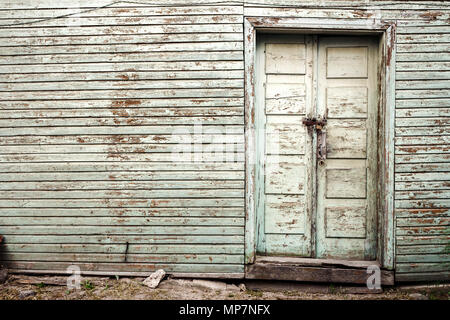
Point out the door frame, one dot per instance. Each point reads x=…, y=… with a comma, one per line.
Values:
x=386, y=30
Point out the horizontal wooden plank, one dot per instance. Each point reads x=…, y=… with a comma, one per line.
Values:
x=419, y=94
x=423, y=231
x=421, y=56
x=422, y=66
x=422, y=75
x=121, y=57
x=124, y=203
x=430, y=221
x=422, y=131
x=121, y=76
x=138, y=176
x=121, y=39
x=422, y=122
x=422, y=158
x=30, y=4
x=125, y=139
x=131, y=258
x=121, y=230
x=207, y=146
x=422, y=203
x=120, y=185
x=48, y=9
x=122, y=119
x=121, y=130
x=422, y=213
x=422, y=103
x=121, y=212
x=422, y=84
x=420, y=167
x=123, y=67
x=105, y=240
x=421, y=140
x=422, y=194
x=115, y=268
x=422, y=249
x=207, y=156
x=8, y=49
x=339, y=12
x=121, y=221
x=422, y=267
x=121, y=85
x=287, y=272
x=119, y=21
x=423, y=112
x=114, y=167
x=422, y=185
x=423, y=47
x=421, y=258
x=422, y=240
x=123, y=112
x=231, y=249
x=417, y=149
x=425, y=29
x=424, y=38
x=124, y=103
x=123, y=94
x=119, y=194
x=69, y=31
x=423, y=176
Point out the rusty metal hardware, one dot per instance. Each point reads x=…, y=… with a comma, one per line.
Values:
x=318, y=124
x=321, y=146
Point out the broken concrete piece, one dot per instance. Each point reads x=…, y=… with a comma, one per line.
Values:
x=26, y=293
x=155, y=278
x=242, y=287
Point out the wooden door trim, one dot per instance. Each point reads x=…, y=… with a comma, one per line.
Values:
x=386, y=105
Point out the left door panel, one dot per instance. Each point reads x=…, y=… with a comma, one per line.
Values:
x=284, y=145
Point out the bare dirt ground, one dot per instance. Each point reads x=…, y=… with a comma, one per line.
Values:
x=102, y=288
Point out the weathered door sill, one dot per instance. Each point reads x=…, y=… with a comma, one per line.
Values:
x=314, y=270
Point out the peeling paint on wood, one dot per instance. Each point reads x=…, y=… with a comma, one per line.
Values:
x=89, y=98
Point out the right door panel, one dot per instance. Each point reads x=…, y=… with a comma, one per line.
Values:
x=347, y=177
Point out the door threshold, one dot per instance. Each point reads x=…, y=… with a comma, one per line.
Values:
x=314, y=270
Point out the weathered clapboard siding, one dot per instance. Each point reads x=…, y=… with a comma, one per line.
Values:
x=422, y=147
x=89, y=103
x=422, y=142
x=93, y=106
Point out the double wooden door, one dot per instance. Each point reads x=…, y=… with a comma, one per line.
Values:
x=316, y=120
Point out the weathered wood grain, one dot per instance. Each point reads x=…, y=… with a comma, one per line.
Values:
x=172, y=241
x=161, y=66
x=84, y=21
x=121, y=57
x=126, y=267
x=123, y=103
x=124, y=203
x=132, y=248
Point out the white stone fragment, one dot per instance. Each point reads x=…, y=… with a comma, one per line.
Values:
x=155, y=278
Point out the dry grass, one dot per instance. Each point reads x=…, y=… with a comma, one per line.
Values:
x=95, y=288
